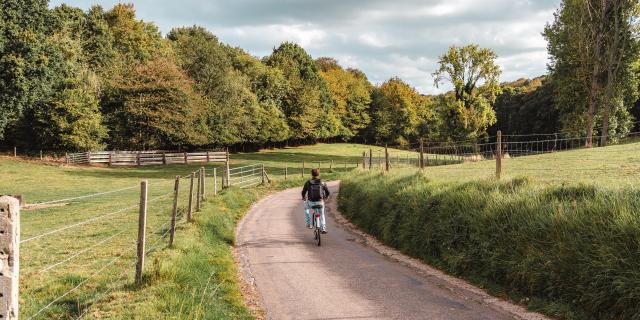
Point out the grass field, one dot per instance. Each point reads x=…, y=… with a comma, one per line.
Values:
x=559, y=232
x=90, y=243
x=196, y=279
x=61, y=250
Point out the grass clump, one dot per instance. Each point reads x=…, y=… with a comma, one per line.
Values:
x=571, y=249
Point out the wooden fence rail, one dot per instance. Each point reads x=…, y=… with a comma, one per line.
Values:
x=145, y=158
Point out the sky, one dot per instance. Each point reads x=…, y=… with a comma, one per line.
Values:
x=383, y=38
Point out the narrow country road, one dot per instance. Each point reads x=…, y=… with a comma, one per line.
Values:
x=342, y=279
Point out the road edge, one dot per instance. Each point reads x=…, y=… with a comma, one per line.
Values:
x=250, y=295
x=456, y=285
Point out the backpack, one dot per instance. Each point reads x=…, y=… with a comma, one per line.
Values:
x=316, y=193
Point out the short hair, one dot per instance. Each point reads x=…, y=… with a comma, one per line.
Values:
x=315, y=172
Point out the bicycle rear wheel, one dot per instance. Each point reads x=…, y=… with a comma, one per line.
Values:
x=318, y=233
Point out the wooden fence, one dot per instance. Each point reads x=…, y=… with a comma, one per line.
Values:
x=145, y=158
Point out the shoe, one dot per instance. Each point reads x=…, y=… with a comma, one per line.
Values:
x=324, y=231
x=309, y=226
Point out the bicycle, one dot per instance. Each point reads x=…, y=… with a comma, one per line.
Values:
x=316, y=222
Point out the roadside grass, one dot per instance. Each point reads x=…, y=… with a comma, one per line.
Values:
x=194, y=280
x=559, y=232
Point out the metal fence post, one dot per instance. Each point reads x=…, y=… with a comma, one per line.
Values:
x=142, y=225
x=285, y=171
x=10, y=259
x=421, y=154
x=262, y=172
x=15, y=152
x=174, y=213
x=499, y=155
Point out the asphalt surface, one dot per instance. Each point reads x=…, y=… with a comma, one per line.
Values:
x=342, y=279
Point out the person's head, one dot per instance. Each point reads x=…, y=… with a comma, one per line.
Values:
x=315, y=172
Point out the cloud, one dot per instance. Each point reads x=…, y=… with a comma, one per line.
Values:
x=382, y=38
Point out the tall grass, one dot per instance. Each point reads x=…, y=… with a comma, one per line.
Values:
x=572, y=249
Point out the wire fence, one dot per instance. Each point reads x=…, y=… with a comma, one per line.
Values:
x=535, y=150
x=99, y=247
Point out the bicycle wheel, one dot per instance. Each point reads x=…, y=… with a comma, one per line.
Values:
x=318, y=231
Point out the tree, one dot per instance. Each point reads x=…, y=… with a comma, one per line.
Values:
x=526, y=106
x=245, y=95
x=592, y=45
x=351, y=96
x=399, y=112
x=25, y=74
x=154, y=105
x=474, y=75
x=307, y=103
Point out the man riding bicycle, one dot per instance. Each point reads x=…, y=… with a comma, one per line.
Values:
x=314, y=193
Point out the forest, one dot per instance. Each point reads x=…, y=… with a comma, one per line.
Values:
x=74, y=80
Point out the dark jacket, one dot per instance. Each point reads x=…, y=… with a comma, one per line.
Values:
x=308, y=184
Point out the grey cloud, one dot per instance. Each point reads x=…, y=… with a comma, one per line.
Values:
x=383, y=38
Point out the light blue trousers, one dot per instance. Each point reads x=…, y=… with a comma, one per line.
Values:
x=308, y=210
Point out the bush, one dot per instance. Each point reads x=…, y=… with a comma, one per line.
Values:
x=570, y=245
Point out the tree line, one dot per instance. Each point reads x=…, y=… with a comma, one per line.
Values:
x=95, y=79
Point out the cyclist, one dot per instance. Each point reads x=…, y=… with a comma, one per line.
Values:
x=314, y=193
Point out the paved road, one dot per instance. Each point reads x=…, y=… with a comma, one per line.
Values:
x=342, y=279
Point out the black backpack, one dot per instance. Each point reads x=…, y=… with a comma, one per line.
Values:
x=316, y=193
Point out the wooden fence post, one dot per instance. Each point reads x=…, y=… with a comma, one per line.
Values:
x=66, y=157
x=386, y=158
x=208, y=159
x=137, y=158
x=421, y=154
x=10, y=259
x=174, y=213
x=185, y=158
x=285, y=171
x=41, y=155
x=215, y=181
x=15, y=152
x=164, y=158
x=110, y=159
x=142, y=226
x=262, y=172
x=364, y=159
x=199, y=191
x=204, y=183
x=499, y=155
x=302, y=172
x=190, y=208
x=227, y=171
x=370, y=158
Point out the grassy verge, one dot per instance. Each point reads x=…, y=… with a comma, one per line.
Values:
x=570, y=250
x=196, y=279
x=87, y=270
